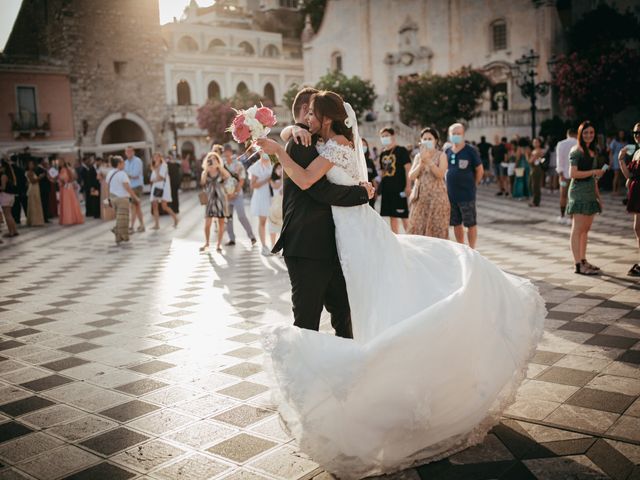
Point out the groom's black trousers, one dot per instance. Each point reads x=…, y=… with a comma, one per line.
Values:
x=316, y=283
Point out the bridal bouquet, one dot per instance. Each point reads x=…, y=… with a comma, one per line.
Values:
x=251, y=124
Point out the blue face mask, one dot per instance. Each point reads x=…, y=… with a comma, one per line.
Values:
x=385, y=141
x=428, y=144
x=455, y=139
x=365, y=149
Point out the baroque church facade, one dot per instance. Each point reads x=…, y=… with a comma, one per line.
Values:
x=386, y=40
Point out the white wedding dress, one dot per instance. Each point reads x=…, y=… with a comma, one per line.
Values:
x=442, y=338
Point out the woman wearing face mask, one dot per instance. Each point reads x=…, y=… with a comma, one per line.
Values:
x=260, y=174
x=429, y=211
x=372, y=171
x=584, y=195
x=395, y=188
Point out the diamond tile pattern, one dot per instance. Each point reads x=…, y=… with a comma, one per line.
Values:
x=145, y=361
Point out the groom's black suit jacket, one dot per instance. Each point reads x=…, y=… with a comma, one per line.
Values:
x=308, y=230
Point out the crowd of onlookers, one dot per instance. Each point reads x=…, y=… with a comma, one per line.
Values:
x=53, y=189
x=437, y=188
x=426, y=188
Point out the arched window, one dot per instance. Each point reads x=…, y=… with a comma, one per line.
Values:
x=242, y=88
x=216, y=44
x=247, y=47
x=184, y=93
x=336, y=61
x=213, y=90
x=271, y=51
x=498, y=35
x=187, y=44
x=270, y=93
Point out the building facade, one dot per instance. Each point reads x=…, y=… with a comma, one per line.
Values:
x=35, y=110
x=113, y=54
x=233, y=46
x=438, y=36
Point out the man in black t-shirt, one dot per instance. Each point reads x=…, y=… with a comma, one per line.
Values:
x=395, y=188
x=484, y=148
x=499, y=154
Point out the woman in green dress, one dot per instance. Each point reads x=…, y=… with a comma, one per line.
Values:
x=584, y=196
x=521, y=184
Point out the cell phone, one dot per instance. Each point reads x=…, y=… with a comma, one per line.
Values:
x=403, y=195
x=605, y=167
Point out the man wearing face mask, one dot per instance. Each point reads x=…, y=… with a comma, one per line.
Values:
x=395, y=187
x=464, y=172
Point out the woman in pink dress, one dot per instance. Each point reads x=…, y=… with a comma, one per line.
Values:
x=70, y=213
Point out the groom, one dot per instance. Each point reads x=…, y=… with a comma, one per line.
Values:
x=308, y=237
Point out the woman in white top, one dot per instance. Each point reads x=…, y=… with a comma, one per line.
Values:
x=160, y=190
x=120, y=193
x=260, y=174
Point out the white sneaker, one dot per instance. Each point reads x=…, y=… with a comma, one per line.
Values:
x=265, y=251
x=560, y=219
x=567, y=220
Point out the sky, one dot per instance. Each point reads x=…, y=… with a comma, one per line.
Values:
x=168, y=10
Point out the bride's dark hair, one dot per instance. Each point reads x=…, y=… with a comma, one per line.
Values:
x=326, y=104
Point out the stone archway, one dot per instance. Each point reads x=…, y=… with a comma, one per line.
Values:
x=120, y=129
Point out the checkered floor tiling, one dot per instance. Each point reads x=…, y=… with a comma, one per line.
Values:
x=144, y=361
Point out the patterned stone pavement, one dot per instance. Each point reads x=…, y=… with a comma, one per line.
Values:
x=143, y=361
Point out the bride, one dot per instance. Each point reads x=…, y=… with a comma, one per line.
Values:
x=441, y=336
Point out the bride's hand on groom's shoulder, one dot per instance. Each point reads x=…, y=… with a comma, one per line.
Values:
x=301, y=136
x=268, y=146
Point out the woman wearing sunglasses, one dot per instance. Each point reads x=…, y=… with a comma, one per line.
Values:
x=629, y=159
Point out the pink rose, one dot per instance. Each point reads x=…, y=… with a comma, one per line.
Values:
x=240, y=131
x=266, y=117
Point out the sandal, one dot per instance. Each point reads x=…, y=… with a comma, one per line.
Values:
x=634, y=271
x=204, y=248
x=592, y=267
x=582, y=269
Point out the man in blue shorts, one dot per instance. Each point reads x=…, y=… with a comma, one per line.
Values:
x=464, y=172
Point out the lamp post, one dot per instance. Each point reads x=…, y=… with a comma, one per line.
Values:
x=525, y=71
x=174, y=127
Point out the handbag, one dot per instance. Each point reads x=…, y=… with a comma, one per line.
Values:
x=204, y=198
x=519, y=172
x=157, y=191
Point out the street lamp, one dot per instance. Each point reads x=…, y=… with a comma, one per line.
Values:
x=174, y=127
x=524, y=72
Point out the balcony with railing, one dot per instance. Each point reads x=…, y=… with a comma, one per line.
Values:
x=27, y=124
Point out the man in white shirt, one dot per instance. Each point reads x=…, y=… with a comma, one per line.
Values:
x=562, y=167
x=120, y=193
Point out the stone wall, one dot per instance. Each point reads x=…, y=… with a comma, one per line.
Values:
x=89, y=37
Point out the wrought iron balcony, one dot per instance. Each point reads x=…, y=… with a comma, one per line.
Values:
x=26, y=124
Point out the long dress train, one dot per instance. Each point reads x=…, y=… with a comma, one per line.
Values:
x=442, y=338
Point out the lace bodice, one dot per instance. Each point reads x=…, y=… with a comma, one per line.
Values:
x=343, y=157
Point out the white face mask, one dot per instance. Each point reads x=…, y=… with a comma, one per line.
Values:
x=385, y=141
x=365, y=148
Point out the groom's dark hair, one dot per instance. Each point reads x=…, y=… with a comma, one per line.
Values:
x=302, y=97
